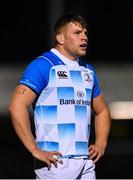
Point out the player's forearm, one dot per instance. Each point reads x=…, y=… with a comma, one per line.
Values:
x=102, y=127
x=21, y=123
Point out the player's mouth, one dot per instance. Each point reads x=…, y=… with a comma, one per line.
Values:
x=83, y=46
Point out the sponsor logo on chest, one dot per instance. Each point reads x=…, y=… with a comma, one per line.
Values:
x=62, y=74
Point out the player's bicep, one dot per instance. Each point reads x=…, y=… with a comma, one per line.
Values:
x=23, y=95
x=99, y=104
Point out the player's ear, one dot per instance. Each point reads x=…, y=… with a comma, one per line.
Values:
x=60, y=38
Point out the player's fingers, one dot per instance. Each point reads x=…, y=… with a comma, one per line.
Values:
x=48, y=164
x=93, y=155
x=56, y=153
x=91, y=152
x=54, y=162
x=97, y=158
x=58, y=159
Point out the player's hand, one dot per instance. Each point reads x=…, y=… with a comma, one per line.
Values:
x=95, y=152
x=48, y=157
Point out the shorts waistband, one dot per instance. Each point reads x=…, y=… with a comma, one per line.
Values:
x=74, y=157
x=40, y=164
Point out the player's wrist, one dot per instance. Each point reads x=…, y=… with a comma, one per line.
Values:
x=34, y=151
x=102, y=143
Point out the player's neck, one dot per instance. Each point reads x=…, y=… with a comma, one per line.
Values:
x=65, y=53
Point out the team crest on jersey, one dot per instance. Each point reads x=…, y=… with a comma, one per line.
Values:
x=87, y=77
x=62, y=74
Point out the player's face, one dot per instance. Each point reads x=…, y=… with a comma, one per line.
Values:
x=75, y=40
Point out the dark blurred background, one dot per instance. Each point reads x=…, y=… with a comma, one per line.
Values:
x=27, y=31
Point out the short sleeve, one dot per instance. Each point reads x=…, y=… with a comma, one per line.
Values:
x=36, y=75
x=96, y=91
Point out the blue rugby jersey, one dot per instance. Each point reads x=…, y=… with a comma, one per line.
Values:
x=62, y=112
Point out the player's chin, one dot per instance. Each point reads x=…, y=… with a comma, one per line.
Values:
x=83, y=53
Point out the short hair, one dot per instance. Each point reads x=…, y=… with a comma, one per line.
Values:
x=67, y=18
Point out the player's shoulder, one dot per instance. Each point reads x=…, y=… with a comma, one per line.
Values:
x=40, y=62
x=89, y=66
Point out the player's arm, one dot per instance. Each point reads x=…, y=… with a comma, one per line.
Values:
x=102, y=127
x=22, y=99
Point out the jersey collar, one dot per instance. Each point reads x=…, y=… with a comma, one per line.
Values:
x=63, y=58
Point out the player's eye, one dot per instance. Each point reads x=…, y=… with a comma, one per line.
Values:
x=77, y=32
